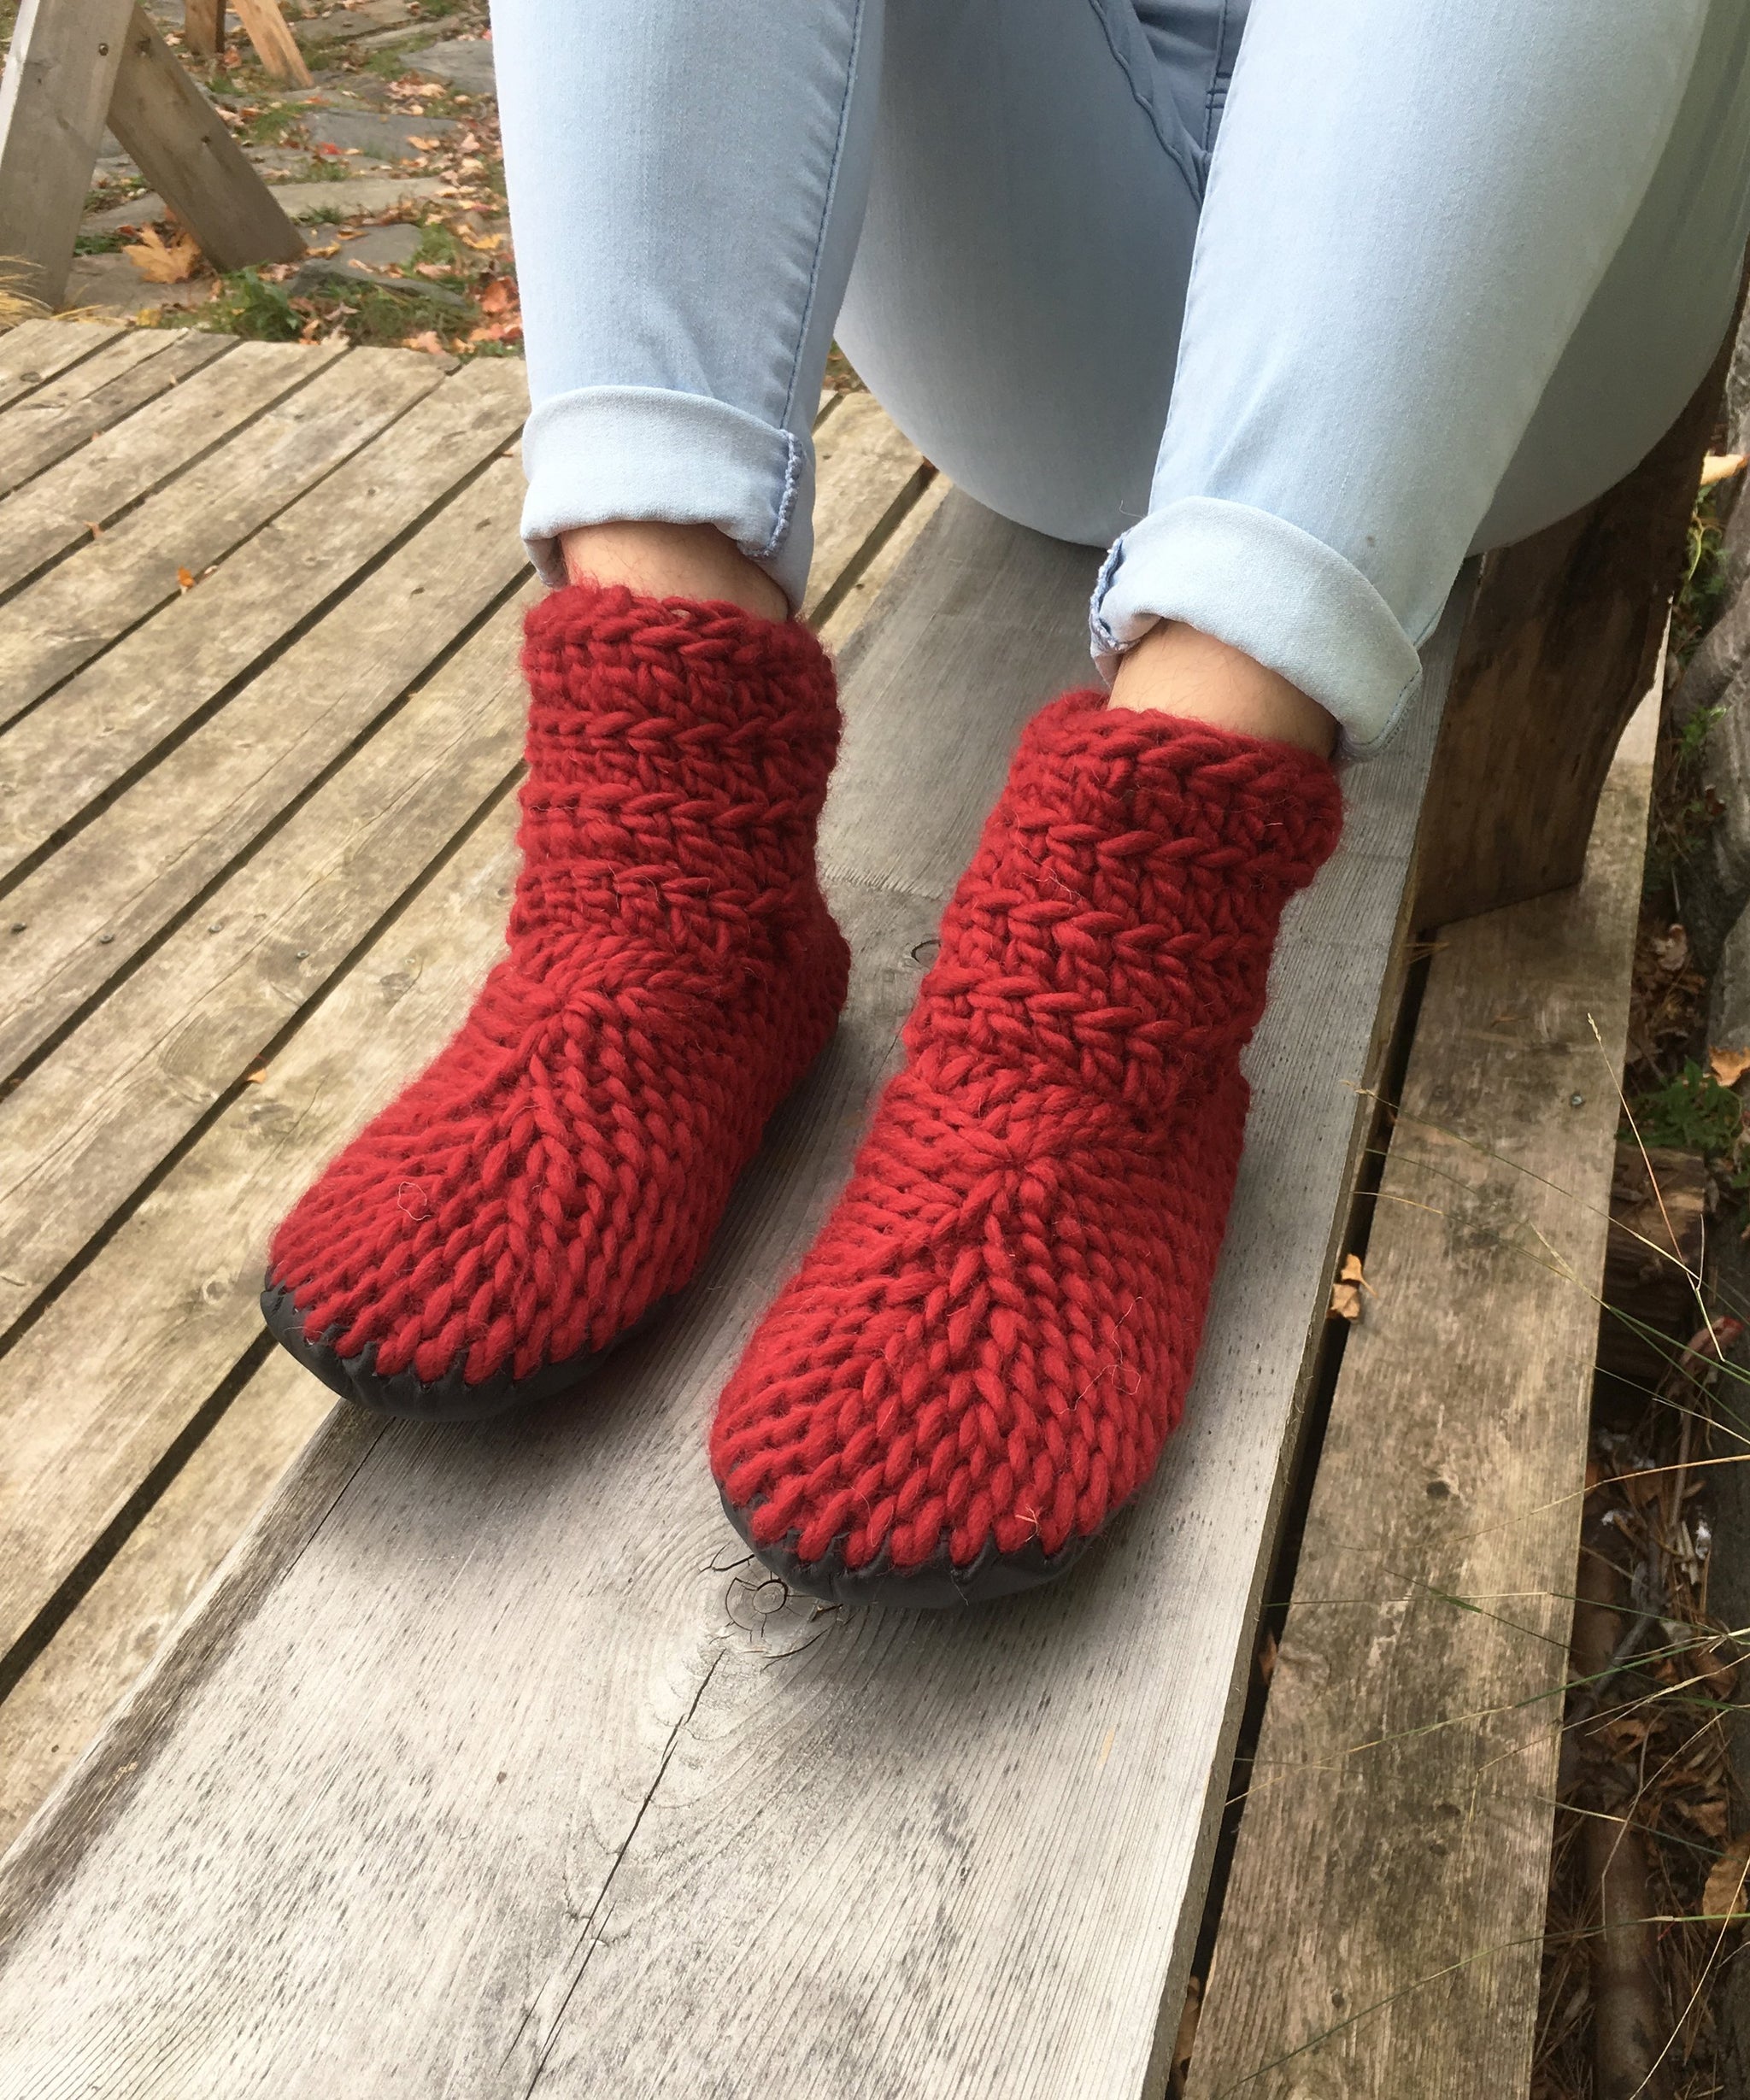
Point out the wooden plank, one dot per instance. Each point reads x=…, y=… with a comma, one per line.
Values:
x=182, y=148
x=856, y=601
x=381, y=441
x=1392, y=1869
x=60, y=75
x=82, y=1131
x=868, y=476
x=57, y=419
x=36, y=352
x=203, y=27
x=133, y=1607
x=54, y=514
x=275, y=45
x=548, y=1669
x=137, y=565
x=173, y=1291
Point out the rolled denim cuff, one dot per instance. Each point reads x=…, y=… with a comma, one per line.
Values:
x=602, y=454
x=1262, y=585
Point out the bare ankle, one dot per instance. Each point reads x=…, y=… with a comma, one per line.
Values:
x=1183, y=671
x=671, y=561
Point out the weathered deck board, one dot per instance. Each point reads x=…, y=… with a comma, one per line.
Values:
x=117, y=712
x=868, y=475
x=56, y=512
x=579, y=1821
x=37, y=351
x=61, y=1700
x=137, y=566
x=84, y=1129
x=96, y=394
x=1379, y=1935
x=165, y=840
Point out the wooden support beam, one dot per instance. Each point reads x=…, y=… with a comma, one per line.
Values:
x=1560, y=646
x=185, y=151
x=203, y=27
x=1379, y=1934
x=275, y=45
x=54, y=95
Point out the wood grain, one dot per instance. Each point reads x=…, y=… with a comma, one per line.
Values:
x=1379, y=1933
x=37, y=351
x=56, y=512
x=868, y=475
x=57, y=419
x=140, y=563
x=83, y=1130
x=133, y=1609
x=60, y=70
x=275, y=45
x=594, y=1816
x=181, y=146
x=382, y=445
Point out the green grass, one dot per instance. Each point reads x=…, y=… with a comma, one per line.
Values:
x=1693, y=1112
x=391, y=64
x=247, y=305
x=100, y=243
x=272, y=125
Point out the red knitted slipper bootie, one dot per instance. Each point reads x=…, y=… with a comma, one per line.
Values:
x=672, y=973
x=980, y=1357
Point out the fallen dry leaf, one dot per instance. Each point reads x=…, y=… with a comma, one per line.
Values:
x=1709, y=1817
x=161, y=262
x=1721, y=467
x=185, y=579
x=1346, y=1292
x=427, y=339
x=1724, y=1895
x=1728, y=1067
x=1266, y=1657
x=485, y=241
x=254, y=1078
x=499, y=296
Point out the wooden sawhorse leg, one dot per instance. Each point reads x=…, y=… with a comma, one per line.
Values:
x=75, y=65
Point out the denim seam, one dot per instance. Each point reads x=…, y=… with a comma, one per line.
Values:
x=1174, y=147
x=787, y=498
x=808, y=313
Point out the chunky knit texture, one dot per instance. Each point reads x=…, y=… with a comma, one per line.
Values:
x=984, y=1350
x=672, y=972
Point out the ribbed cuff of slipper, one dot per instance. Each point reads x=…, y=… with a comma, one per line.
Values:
x=600, y=453
x=1262, y=585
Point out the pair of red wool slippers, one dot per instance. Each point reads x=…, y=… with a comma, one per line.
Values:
x=979, y=1359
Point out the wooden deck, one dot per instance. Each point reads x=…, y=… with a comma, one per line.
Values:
x=483, y=1763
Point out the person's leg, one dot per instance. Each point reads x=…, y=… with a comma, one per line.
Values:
x=1412, y=212
x=1459, y=268
x=685, y=188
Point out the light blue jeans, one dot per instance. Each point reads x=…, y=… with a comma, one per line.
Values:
x=1292, y=303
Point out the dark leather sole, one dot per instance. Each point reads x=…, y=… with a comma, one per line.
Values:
x=934, y=1585
x=447, y=1398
